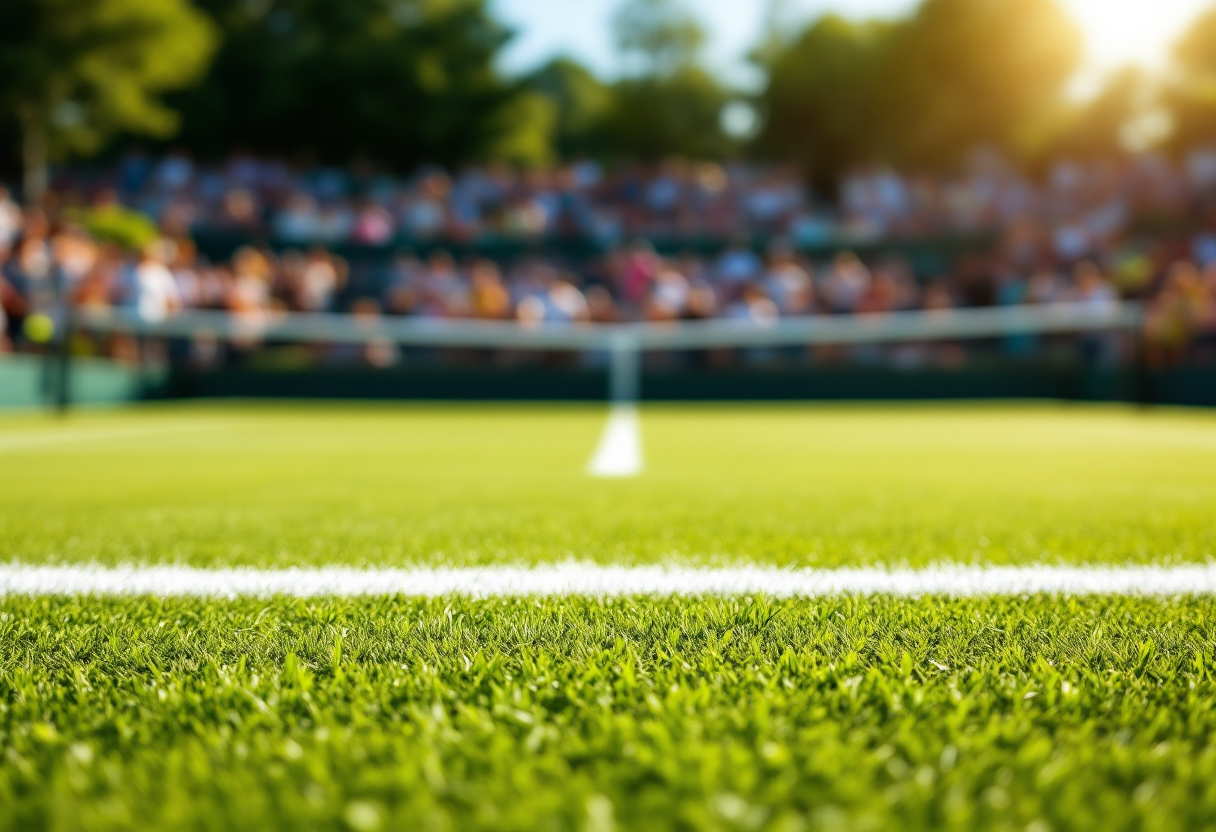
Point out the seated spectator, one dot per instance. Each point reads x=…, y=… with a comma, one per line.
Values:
x=11, y=220
x=753, y=306
x=405, y=276
x=737, y=265
x=249, y=291
x=444, y=290
x=787, y=282
x=12, y=308
x=156, y=295
x=845, y=284
x=601, y=308
x=299, y=221
x=565, y=303
x=320, y=281
x=668, y=299
x=1091, y=289
x=636, y=269
x=491, y=300
x=373, y=226
x=1174, y=315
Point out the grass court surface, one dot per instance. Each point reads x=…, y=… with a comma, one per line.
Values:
x=1038, y=713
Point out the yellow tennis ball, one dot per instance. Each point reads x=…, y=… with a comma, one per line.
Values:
x=39, y=328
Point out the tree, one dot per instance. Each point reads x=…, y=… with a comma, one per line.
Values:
x=75, y=72
x=523, y=135
x=659, y=37
x=964, y=73
x=671, y=115
x=667, y=105
x=825, y=105
x=921, y=91
x=398, y=82
x=1191, y=98
x=1105, y=126
x=580, y=102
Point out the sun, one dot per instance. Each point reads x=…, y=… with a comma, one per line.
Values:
x=1141, y=32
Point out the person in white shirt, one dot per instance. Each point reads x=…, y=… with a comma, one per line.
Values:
x=319, y=282
x=156, y=294
x=11, y=219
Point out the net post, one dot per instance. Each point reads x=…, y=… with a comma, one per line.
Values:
x=624, y=369
x=63, y=359
x=1141, y=393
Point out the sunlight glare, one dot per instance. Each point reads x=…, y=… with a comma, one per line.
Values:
x=1119, y=32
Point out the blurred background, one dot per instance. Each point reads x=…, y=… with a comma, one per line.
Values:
x=563, y=164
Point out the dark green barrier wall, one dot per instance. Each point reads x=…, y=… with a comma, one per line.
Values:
x=1192, y=386
x=23, y=383
x=29, y=381
x=927, y=256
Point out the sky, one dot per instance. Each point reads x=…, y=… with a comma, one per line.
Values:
x=1117, y=31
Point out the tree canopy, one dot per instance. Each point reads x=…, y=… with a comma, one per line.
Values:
x=665, y=104
x=74, y=72
x=659, y=37
x=399, y=82
x=972, y=72
x=920, y=91
x=580, y=102
x=1191, y=98
x=826, y=103
x=405, y=82
x=676, y=114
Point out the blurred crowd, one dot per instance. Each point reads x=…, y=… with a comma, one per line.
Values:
x=327, y=206
x=1066, y=240
x=1086, y=204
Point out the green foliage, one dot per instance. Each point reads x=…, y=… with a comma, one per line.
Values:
x=524, y=136
x=923, y=91
x=825, y=96
x=399, y=82
x=74, y=72
x=1191, y=99
x=658, y=36
x=997, y=714
x=118, y=225
x=1099, y=129
x=968, y=73
x=797, y=485
x=643, y=117
x=580, y=103
x=668, y=106
x=679, y=114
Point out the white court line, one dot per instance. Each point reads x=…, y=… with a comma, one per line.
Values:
x=19, y=440
x=580, y=579
x=619, y=453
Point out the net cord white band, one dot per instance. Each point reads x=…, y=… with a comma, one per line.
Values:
x=625, y=342
x=991, y=322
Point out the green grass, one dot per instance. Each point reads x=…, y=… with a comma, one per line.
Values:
x=1027, y=714
x=280, y=485
x=1032, y=714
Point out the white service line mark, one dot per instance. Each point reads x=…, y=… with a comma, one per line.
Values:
x=619, y=453
x=581, y=579
x=19, y=440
